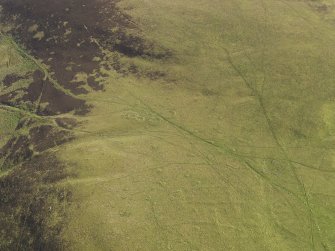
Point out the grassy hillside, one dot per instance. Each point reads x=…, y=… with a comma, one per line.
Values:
x=231, y=151
x=227, y=143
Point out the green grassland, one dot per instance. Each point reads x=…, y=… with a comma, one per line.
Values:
x=232, y=150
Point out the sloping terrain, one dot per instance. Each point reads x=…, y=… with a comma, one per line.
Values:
x=167, y=125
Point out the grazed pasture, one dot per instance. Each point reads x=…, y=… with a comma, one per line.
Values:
x=167, y=125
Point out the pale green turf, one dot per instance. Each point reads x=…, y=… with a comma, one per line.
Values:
x=8, y=122
x=234, y=151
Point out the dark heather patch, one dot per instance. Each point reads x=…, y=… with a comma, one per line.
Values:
x=83, y=111
x=67, y=123
x=79, y=90
x=43, y=91
x=28, y=196
x=25, y=122
x=63, y=34
x=59, y=102
x=4, y=151
x=208, y=92
x=45, y=137
x=41, y=138
x=94, y=84
x=9, y=98
x=15, y=151
x=34, y=90
x=319, y=7
x=12, y=78
x=322, y=8
x=154, y=75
